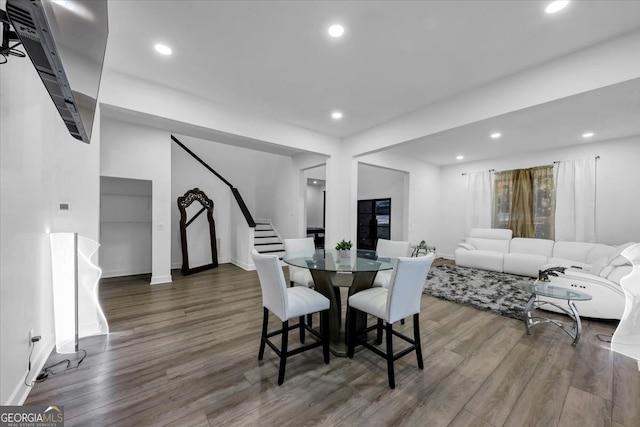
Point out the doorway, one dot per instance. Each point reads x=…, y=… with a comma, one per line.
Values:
x=125, y=226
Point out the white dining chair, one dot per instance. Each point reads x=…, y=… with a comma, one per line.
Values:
x=389, y=249
x=303, y=247
x=400, y=300
x=287, y=303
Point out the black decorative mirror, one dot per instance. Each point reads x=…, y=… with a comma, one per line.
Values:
x=194, y=232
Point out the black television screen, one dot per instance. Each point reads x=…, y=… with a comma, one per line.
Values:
x=66, y=41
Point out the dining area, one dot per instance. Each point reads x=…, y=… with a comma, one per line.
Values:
x=348, y=289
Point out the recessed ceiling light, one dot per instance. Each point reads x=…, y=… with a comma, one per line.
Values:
x=336, y=115
x=162, y=49
x=336, y=30
x=556, y=6
x=496, y=135
x=315, y=182
x=459, y=157
x=587, y=134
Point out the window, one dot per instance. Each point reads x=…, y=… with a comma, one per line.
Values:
x=374, y=222
x=524, y=201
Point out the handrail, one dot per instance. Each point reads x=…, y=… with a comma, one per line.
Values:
x=234, y=190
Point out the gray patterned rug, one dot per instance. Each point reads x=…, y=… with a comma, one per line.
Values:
x=484, y=290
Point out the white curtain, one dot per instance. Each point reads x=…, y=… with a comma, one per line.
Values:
x=479, y=200
x=576, y=200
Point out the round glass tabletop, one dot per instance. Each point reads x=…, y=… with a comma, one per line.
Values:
x=331, y=260
x=547, y=290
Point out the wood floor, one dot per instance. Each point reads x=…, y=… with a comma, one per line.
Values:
x=185, y=354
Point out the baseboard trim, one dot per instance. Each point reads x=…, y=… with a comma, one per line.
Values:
x=21, y=391
x=243, y=265
x=157, y=280
x=120, y=273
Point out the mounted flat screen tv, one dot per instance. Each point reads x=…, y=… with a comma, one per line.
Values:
x=66, y=41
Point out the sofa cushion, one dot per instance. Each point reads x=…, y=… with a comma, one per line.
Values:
x=501, y=246
x=577, y=251
x=522, y=245
x=598, y=265
x=615, y=257
x=605, y=271
x=491, y=233
x=467, y=246
x=567, y=263
x=618, y=273
x=484, y=260
x=598, y=251
x=523, y=264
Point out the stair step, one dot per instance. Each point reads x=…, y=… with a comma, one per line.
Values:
x=266, y=240
x=265, y=233
x=279, y=253
x=264, y=227
x=269, y=247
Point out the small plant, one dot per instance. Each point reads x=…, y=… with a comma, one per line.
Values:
x=343, y=245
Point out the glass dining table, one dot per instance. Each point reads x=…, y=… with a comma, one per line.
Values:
x=325, y=265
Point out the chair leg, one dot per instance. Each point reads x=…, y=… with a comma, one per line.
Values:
x=389, y=333
x=351, y=333
x=263, y=337
x=379, y=332
x=302, y=331
x=324, y=331
x=283, y=351
x=416, y=337
x=310, y=320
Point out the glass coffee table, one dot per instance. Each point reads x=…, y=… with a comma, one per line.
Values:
x=545, y=289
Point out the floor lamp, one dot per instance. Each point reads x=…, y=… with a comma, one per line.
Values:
x=626, y=338
x=77, y=312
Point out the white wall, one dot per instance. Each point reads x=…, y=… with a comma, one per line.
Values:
x=41, y=166
x=284, y=192
x=618, y=180
x=381, y=183
x=125, y=226
x=140, y=152
x=422, y=195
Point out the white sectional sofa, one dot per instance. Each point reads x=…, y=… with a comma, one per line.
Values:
x=591, y=267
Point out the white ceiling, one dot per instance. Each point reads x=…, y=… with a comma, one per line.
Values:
x=274, y=58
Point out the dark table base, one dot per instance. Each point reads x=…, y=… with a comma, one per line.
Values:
x=337, y=328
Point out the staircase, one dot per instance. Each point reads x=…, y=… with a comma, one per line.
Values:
x=267, y=240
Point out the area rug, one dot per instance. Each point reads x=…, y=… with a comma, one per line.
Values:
x=484, y=290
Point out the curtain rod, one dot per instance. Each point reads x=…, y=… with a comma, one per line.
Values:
x=559, y=161
x=493, y=170
x=467, y=173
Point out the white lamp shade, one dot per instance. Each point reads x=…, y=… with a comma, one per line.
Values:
x=626, y=339
x=77, y=312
